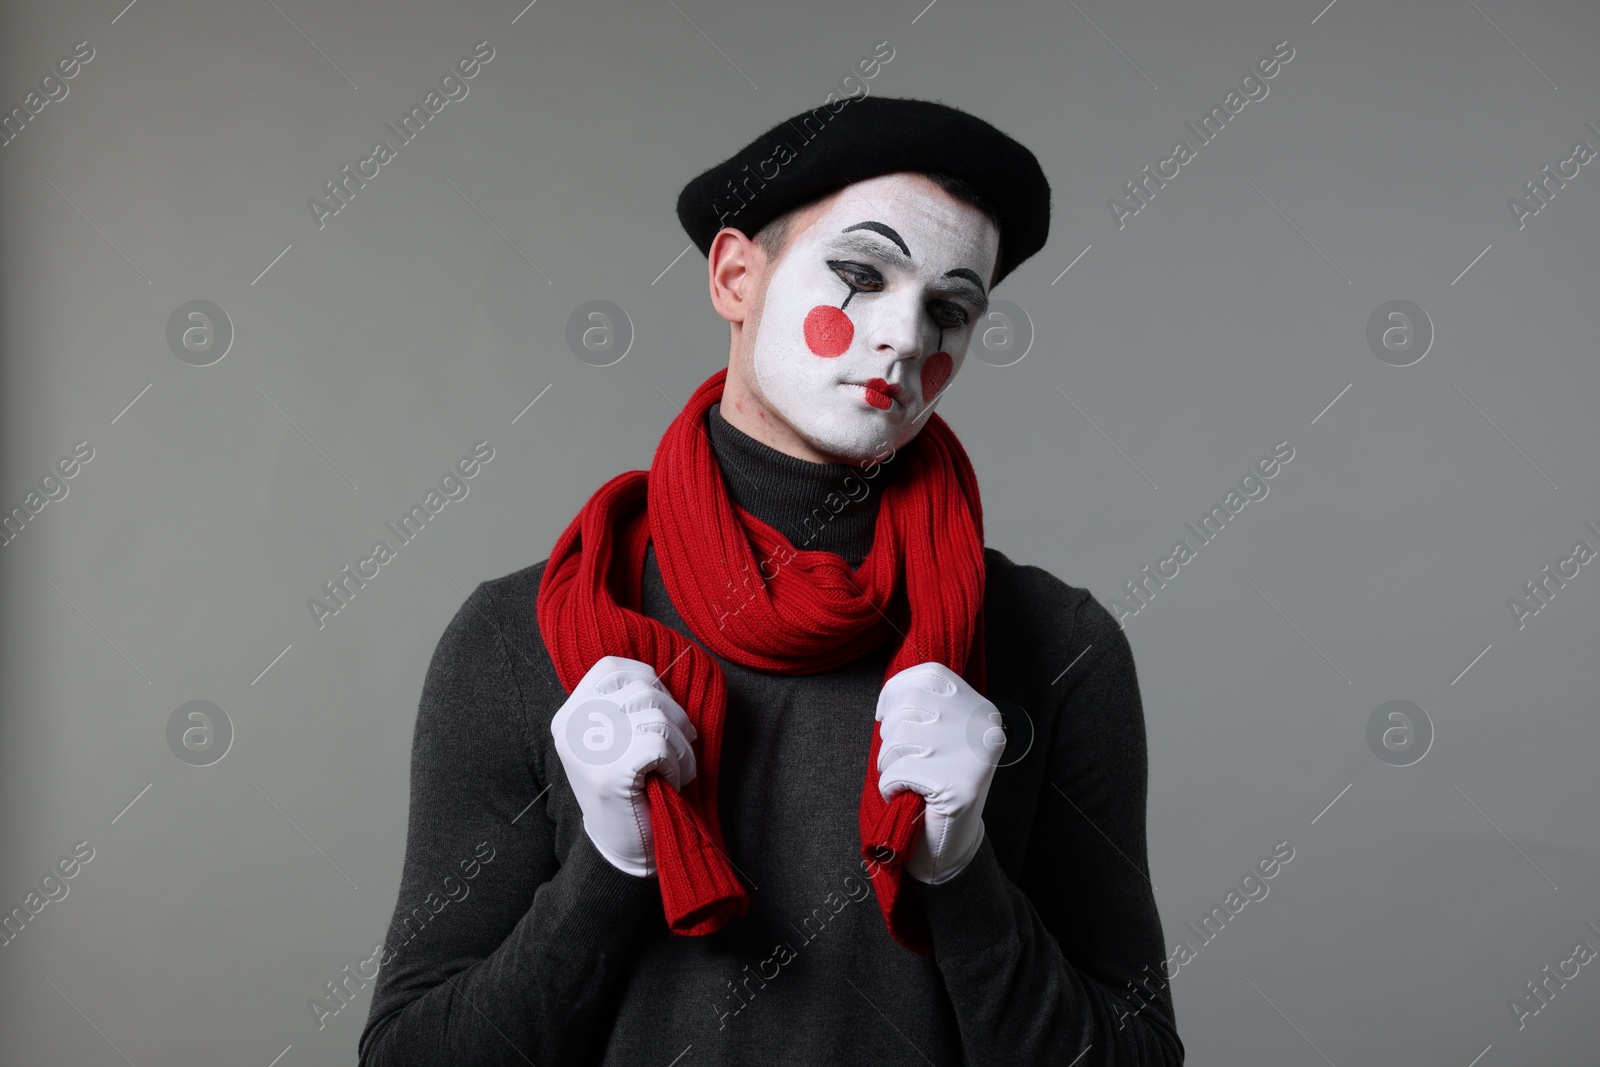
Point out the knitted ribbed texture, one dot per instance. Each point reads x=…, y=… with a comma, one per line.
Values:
x=922, y=583
x=829, y=507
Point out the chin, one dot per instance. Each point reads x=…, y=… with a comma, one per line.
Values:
x=860, y=437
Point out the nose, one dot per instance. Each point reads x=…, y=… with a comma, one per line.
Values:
x=896, y=327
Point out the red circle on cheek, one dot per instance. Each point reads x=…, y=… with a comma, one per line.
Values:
x=935, y=373
x=829, y=331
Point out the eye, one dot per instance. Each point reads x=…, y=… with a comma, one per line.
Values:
x=858, y=276
x=949, y=315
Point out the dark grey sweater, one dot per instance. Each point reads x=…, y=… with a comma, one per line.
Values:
x=514, y=942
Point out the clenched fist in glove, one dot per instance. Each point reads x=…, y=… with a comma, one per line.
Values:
x=619, y=726
x=942, y=739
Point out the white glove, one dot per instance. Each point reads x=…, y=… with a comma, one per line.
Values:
x=942, y=739
x=620, y=725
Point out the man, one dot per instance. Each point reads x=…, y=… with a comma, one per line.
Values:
x=772, y=761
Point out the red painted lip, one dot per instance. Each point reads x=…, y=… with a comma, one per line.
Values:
x=880, y=394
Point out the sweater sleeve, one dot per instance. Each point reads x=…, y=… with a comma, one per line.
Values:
x=1067, y=967
x=498, y=953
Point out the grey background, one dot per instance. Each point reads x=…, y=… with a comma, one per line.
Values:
x=1223, y=318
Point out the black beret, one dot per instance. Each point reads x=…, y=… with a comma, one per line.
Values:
x=849, y=140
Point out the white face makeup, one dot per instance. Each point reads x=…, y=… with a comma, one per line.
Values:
x=868, y=316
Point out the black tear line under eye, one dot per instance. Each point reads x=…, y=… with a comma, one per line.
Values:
x=835, y=265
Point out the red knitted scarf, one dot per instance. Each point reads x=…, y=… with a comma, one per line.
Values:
x=922, y=584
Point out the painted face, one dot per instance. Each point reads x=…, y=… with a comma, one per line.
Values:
x=868, y=316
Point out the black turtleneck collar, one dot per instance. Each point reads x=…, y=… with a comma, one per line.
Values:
x=791, y=494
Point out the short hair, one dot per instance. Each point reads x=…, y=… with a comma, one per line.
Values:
x=774, y=236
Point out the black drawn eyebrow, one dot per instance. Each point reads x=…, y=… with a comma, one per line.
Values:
x=881, y=230
x=862, y=245
x=970, y=275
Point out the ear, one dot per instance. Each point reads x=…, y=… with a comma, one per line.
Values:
x=735, y=264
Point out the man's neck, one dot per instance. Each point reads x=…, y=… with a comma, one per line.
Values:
x=830, y=507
